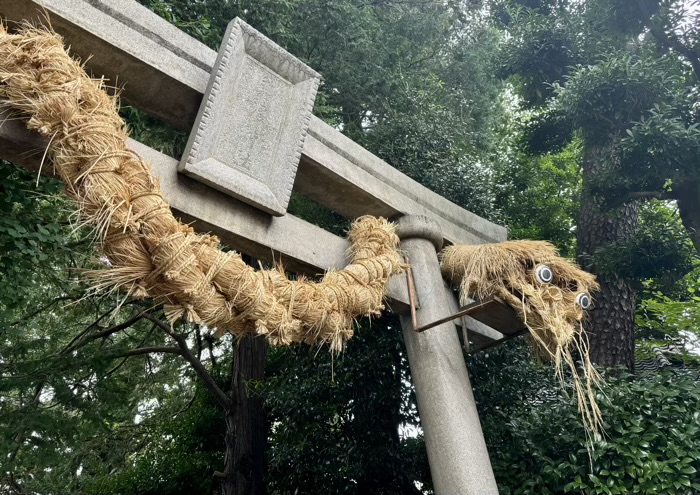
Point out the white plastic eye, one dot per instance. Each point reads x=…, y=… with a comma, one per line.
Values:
x=583, y=300
x=544, y=274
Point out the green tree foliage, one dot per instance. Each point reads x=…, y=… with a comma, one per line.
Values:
x=658, y=256
x=650, y=444
x=668, y=310
x=618, y=76
x=64, y=392
x=34, y=235
x=539, y=196
x=175, y=449
x=336, y=422
x=73, y=377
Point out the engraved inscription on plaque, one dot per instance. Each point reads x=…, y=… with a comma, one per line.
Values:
x=250, y=130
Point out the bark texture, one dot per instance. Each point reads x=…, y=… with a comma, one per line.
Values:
x=610, y=324
x=244, y=464
x=687, y=194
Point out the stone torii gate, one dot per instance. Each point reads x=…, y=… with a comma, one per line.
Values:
x=253, y=140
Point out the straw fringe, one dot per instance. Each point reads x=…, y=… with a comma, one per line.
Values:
x=506, y=271
x=151, y=253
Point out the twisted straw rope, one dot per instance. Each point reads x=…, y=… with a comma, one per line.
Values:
x=151, y=253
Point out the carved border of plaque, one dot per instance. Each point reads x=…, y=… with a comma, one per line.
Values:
x=251, y=126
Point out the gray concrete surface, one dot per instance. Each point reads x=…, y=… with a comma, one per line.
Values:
x=369, y=175
x=459, y=461
x=250, y=129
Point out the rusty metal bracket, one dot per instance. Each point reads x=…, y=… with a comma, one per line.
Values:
x=411, y=292
x=412, y=301
x=463, y=312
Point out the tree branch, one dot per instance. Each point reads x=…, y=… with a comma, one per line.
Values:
x=95, y=323
x=148, y=350
x=660, y=195
x=622, y=198
x=671, y=41
x=19, y=437
x=223, y=400
x=42, y=308
x=108, y=331
x=116, y=367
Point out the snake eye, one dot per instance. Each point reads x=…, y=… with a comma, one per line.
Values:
x=583, y=300
x=544, y=274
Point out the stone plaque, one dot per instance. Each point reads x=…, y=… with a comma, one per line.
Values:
x=250, y=129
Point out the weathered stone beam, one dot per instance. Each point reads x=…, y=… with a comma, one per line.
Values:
x=369, y=180
x=478, y=333
x=165, y=72
x=238, y=225
x=312, y=250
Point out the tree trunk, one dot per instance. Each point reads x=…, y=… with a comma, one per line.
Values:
x=610, y=324
x=244, y=464
x=687, y=194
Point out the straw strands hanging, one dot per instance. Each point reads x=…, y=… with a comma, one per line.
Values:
x=549, y=294
x=151, y=253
